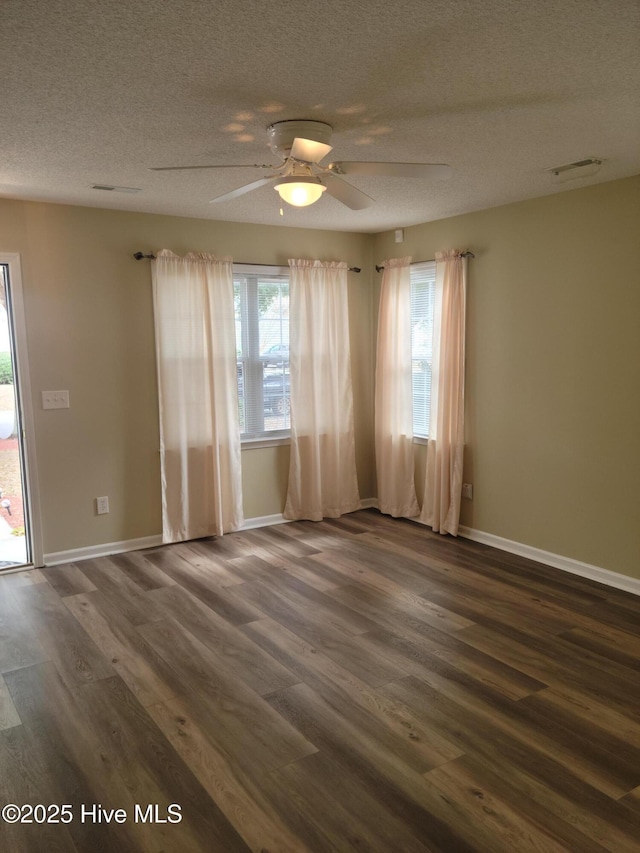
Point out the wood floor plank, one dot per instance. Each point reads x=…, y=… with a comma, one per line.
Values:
x=146, y=674
x=406, y=572
x=297, y=596
x=586, y=737
x=278, y=544
x=214, y=590
x=225, y=547
x=248, y=569
x=315, y=818
x=356, y=575
x=65, y=762
x=314, y=533
x=28, y=577
x=23, y=781
x=319, y=629
x=154, y=772
x=120, y=590
x=141, y=571
x=617, y=646
x=558, y=663
x=547, y=781
x=632, y=799
x=387, y=722
x=351, y=523
x=9, y=716
x=237, y=793
x=428, y=816
x=461, y=584
x=247, y=726
x=494, y=608
x=487, y=563
x=587, y=813
x=618, y=616
x=68, y=579
x=414, y=610
x=355, y=684
x=344, y=810
x=19, y=645
x=485, y=588
x=586, y=706
x=578, y=749
x=512, y=819
x=246, y=660
x=440, y=652
x=77, y=658
x=202, y=554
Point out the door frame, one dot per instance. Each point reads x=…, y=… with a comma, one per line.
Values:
x=24, y=403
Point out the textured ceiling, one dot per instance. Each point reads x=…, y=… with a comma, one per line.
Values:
x=98, y=91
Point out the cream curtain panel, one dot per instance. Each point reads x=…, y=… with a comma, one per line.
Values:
x=322, y=468
x=198, y=396
x=393, y=394
x=443, y=482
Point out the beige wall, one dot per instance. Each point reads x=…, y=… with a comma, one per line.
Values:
x=553, y=369
x=553, y=363
x=90, y=330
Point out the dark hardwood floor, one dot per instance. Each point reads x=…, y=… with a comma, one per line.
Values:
x=358, y=684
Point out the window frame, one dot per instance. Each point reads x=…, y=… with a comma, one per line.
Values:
x=251, y=361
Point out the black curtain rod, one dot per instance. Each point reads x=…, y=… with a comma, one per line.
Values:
x=432, y=260
x=139, y=256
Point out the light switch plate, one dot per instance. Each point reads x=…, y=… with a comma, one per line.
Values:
x=55, y=399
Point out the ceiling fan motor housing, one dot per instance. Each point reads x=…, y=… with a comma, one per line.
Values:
x=282, y=133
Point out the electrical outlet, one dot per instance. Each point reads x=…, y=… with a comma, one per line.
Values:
x=55, y=399
x=467, y=491
x=102, y=505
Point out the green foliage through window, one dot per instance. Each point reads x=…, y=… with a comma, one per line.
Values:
x=6, y=369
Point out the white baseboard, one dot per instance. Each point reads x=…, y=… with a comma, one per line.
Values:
x=76, y=554
x=264, y=521
x=92, y=551
x=369, y=503
x=566, y=564
x=268, y=520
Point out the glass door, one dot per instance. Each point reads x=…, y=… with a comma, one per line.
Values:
x=15, y=539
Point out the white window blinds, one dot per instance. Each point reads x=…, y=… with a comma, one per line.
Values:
x=423, y=279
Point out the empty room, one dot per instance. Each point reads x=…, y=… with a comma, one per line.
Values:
x=319, y=426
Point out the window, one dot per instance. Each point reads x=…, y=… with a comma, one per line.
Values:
x=423, y=286
x=261, y=297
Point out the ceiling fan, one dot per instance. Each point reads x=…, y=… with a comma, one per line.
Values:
x=300, y=179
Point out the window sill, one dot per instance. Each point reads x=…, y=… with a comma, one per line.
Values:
x=257, y=443
x=418, y=439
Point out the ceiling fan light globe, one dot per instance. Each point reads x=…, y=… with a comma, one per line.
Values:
x=300, y=191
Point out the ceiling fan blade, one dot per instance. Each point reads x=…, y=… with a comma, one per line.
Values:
x=247, y=188
x=346, y=193
x=392, y=170
x=308, y=150
x=186, y=168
